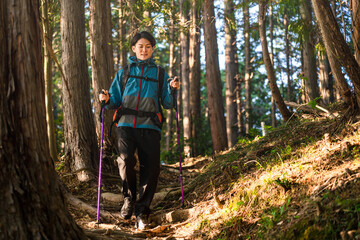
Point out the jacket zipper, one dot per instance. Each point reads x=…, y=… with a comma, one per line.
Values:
x=137, y=102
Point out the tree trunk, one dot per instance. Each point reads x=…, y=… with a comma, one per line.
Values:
x=122, y=34
x=169, y=119
x=239, y=105
x=231, y=71
x=336, y=45
x=326, y=92
x=47, y=44
x=32, y=205
x=102, y=64
x=336, y=71
x=185, y=94
x=81, y=148
x=195, y=74
x=340, y=82
x=134, y=20
x=247, y=71
x=213, y=79
x=287, y=52
x=355, y=22
x=286, y=114
x=273, y=104
x=310, y=87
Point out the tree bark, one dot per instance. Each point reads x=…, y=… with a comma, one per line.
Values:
x=102, y=64
x=239, y=104
x=231, y=71
x=355, y=22
x=326, y=91
x=169, y=119
x=195, y=74
x=185, y=94
x=273, y=104
x=286, y=114
x=336, y=71
x=213, y=80
x=340, y=82
x=287, y=52
x=79, y=128
x=134, y=20
x=335, y=44
x=122, y=34
x=32, y=205
x=47, y=43
x=311, y=88
x=247, y=71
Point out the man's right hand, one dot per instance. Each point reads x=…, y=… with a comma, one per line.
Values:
x=104, y=96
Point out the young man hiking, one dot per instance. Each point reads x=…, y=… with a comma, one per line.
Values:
x=137, y=92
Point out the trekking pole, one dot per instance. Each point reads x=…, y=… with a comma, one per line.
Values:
x=100, y=163
x=178, y=140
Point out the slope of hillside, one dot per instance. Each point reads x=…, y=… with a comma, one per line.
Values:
x=301, y=181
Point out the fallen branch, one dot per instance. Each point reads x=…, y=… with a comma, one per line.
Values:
x=304, y=107
x=77, y=203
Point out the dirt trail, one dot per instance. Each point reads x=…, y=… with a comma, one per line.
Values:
x=167, y=217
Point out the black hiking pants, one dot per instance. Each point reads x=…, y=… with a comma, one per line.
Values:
x=147, y=142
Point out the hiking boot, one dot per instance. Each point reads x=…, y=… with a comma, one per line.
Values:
x=141, y=222
x=127, y=209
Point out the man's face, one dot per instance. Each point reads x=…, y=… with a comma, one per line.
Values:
x=143, y=49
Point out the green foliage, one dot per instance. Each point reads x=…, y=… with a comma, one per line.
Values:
x=313, y=102
x=60, y=166
x=254, y=132
x=272, y=217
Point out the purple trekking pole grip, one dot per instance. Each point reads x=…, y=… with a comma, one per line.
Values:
x=178, y=140
x=100, y=162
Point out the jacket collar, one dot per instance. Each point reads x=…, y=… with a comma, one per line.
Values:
x=134, y=60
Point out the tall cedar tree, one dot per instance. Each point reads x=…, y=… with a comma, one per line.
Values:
x=286, y=114
x=213, y=80
x=47, y=45
x=102, y=64
x=134, y=20
x=290, y=96
x=309, y=82
x=247, y=71
x=336, y=45
x=169, y=113
x=273, y=104
x=325, y=80
x=343, y=89
x=355, y=21
x=122, y=34
x=195, y=74
x=79, y=127
x=184, y=44
x=231, y=71
x=32, y=205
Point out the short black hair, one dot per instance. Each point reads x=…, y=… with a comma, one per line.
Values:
x=144, y=34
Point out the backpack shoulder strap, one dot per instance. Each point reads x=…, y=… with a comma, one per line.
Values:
x=125, y=76
x=160, y=78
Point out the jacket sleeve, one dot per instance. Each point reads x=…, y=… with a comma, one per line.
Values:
x=167, y=98
x=115, y=91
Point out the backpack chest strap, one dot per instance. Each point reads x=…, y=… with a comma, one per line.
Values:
x=142, y=77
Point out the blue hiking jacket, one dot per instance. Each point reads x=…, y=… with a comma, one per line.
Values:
x=140, y=94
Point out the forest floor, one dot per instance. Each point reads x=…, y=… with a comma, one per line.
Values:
x=300, y=181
